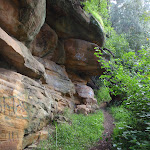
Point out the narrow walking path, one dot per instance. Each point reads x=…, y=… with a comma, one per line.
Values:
x=105, y=143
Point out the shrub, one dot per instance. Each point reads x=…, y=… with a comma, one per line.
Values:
x=103, y=95
x=128, y=77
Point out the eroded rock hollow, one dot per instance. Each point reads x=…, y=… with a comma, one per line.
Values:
x=46, y=59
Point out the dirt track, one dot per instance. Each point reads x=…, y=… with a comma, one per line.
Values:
x=105, y=143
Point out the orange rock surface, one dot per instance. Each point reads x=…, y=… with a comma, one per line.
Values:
x=46, y=60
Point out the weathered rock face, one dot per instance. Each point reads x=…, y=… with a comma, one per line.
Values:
x=86, y=93
x=34, y=137
x=25, y=107
x=59, y=55
x=57, y=77
x=20, y=57
x=45, y=42
x=80, y=57
x=59, y=85
x=70, y=21
x=75, y=78
x=22, y=19
x=44, y=68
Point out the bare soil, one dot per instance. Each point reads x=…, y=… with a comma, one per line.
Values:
x=106, y=142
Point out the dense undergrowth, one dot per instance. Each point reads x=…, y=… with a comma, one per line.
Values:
x=82, y=133
x=128, y=78
x=125, y=135
x=102, y=94
x=127, y=75
x=123, y=122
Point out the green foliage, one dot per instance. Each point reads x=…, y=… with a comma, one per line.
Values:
x=102, y=95
x=122, y=115
x=83, y=132
x=124, y=121
x=97, y=16
x=123, y=118
x=131, y=18
x=125, y=134
x=116, y=43
x=146, y=16
x=98, y=8
x=129, y=77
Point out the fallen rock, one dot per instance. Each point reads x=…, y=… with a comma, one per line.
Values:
x=22, y=19
x=86, y=109
x=70, y=21
x=45, y=42
x=86, y=93
x=25, y=108
x=34, y=137
x=83, y=109
x=17, y=55
x=103, y=105
x=90, y=101
x=62, y=119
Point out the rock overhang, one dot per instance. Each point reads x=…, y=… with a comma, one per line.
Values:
x=69, y=20
x=68, y=33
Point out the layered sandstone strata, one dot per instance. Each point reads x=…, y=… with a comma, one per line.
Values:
x=46, y=59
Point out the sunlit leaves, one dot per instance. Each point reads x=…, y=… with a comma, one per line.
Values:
x=129, y=78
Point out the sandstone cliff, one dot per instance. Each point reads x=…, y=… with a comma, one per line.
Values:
x=46, y=60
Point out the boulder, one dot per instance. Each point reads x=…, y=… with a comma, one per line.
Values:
x=25, y=108
x=89, y=100
x=83, y=109
x=22, y=19
x=45, y=42
x=80, y=57
x=17, y=55
x=69, y=20
x=86, y=93
x=86, y=109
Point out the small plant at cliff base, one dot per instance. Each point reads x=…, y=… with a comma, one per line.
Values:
x=102, y=95
x=81, y=134
x=129, y=77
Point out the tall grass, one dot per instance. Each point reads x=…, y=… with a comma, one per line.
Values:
x=102, y=94
x=83, y=133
